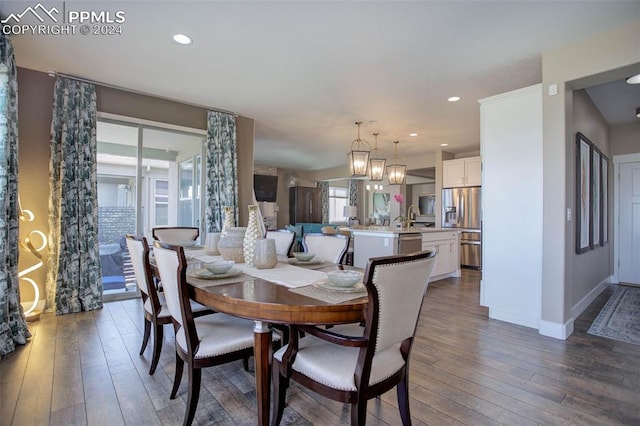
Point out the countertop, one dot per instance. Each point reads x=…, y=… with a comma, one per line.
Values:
x=391, y=230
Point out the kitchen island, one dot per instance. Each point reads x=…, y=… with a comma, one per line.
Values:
x=375, y=241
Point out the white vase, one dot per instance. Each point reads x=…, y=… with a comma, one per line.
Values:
x=230, y=244
x=250, y=237
x=211, y=243
x=265, y=253
x=229, y=220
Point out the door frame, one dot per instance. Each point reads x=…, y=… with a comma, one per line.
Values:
x=617, y=161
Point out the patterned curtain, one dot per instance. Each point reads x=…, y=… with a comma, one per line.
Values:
x=353, y=192
x=221, y=169
x=325, y=201
x=74, y=275
x=13, y=328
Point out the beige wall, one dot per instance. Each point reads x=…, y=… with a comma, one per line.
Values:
x=585, y=271
x=625, y=139
x=35, y=97
x=616, y=50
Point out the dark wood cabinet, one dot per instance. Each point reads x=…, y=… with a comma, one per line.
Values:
x=305, y=205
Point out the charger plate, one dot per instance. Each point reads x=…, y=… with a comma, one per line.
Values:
x=204, y=274
x=295, y=261
x=328, y=286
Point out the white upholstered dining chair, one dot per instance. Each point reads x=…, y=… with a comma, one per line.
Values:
x=153, y=302
x=350, y=363
x=200, y=342
x=328, y=248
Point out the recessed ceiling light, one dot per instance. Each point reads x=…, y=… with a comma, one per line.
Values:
x=182, y=39
x=634, y=79
x=454, y=99
x=413, y=135
x=444, y=144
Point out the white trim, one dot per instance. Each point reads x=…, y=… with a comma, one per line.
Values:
x=579, y=307
x=556, y=330
x=149, y=123
x=513, y=318
x=617, y=161
x=534, y=88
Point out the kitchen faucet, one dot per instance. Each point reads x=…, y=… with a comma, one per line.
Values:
x=410, y=220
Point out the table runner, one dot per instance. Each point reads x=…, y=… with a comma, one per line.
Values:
x=286, y=275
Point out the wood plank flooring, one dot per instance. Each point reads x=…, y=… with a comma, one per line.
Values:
x=465, y=370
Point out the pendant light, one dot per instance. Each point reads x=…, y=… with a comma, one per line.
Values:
x=396, y=171
x=359, y=157
x=376, y=162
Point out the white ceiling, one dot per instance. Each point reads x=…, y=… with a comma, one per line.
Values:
x=306, y=71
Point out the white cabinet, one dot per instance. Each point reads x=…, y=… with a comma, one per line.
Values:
x=447, y=247
x=462, y=172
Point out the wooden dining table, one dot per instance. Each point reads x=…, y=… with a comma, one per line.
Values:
x=267, y=303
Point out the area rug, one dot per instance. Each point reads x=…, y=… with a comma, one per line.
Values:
x=619, y=319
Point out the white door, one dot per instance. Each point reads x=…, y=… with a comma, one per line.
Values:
x=629, y=235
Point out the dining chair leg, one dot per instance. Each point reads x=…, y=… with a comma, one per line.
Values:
x=280, y=385
x=157, y=347
x=195, y=375
x=245, y=363
x=178, y=376
x=145, y=336
x=359, y=411
x=402, y=389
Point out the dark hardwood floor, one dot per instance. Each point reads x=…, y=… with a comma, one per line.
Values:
x=466, y=370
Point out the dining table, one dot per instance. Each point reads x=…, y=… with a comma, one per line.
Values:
x=286, y=294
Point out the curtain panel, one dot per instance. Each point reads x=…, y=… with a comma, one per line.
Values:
x=324, y=186
x=353, y=192
x=13, y=328
x=74, y=276
x=221, y=169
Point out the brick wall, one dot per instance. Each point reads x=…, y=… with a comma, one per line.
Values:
x=114, y=223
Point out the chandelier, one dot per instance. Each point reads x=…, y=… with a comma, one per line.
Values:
x=359, y=157
x=376, y=162
x=396, y=171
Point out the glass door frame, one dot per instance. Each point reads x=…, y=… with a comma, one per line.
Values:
x=142, y=125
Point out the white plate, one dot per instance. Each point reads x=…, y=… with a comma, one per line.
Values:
x=327, y=285
x=204, y=274
x=294, y=261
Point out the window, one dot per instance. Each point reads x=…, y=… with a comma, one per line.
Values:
x=338, y=200
x=161, y=202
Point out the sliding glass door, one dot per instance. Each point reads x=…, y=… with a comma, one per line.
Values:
x=147, y=177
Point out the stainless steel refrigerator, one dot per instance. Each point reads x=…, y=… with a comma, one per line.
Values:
x=462, y=209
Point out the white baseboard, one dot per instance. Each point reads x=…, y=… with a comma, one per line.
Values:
x=513, y=318
x=556, y=330
x=583, y=304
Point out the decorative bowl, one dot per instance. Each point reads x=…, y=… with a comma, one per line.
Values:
x=344, y=279
x=303, y=256
x=219, y=266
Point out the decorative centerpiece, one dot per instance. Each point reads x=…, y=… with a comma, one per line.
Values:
x=265, y=253
x=229, y=219
x=231, y=242
x=251, y=235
